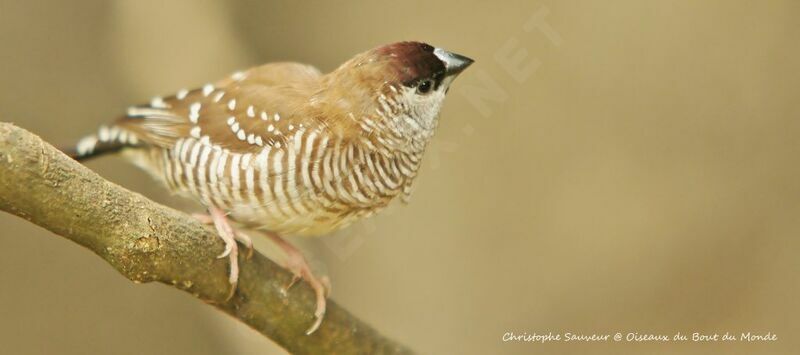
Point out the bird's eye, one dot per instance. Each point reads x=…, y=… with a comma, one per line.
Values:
x=424, y=86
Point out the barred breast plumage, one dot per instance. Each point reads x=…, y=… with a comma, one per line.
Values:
x=270, y=166
x=310, y=184
x=283, y=148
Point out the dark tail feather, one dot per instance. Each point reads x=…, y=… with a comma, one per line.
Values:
x=99, y=149
x=107, y=140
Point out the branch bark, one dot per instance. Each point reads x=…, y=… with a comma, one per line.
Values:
x=148, y=242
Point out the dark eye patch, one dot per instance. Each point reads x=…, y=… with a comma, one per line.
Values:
x=434, y=80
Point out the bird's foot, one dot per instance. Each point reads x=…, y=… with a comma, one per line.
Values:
x=298, y=265
x=226, y=233
x=240, y=236
x=295, y=262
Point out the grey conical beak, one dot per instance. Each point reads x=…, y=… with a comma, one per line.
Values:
x=454, y=63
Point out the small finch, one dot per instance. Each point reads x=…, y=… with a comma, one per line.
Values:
x=287, y=150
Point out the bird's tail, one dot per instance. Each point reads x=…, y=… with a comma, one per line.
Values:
x=107, y=140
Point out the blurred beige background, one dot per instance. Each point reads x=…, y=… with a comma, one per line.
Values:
x=642, y=176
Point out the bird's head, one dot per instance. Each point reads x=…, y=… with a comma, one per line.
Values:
x=397, y=89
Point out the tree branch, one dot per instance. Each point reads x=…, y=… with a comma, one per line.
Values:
x=148, y=242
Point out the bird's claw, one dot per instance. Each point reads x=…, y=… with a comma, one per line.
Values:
x=295, y=263
x=285, y=289
x=300, y=269
x=228, y=248
x=246, y=241
x=227, y=234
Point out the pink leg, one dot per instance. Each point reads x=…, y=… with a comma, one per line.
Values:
x=297, y=264
x=237, y=234
x=244, y=239
x=225, y=232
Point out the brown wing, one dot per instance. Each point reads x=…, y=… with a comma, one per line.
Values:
x=248, y=110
